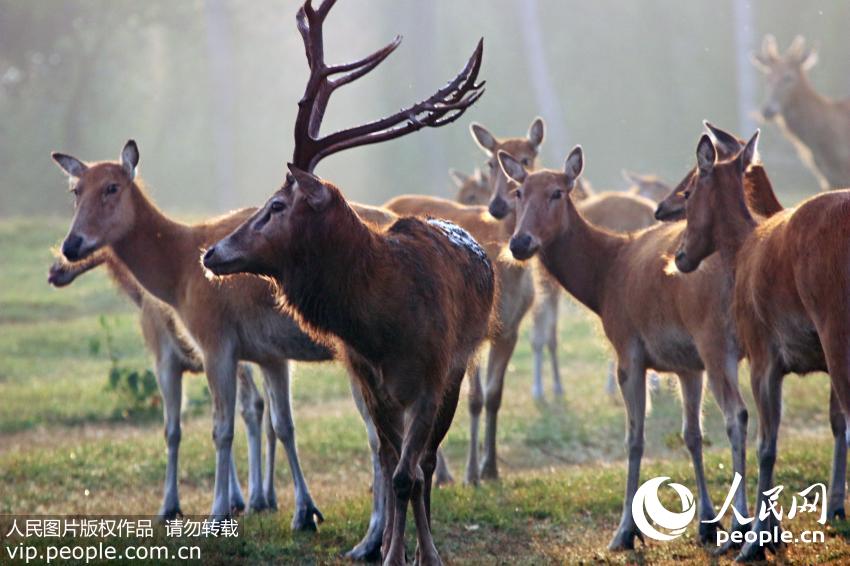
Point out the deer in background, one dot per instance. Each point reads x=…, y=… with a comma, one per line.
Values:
x=516, y=295
x=783, y=267
x=652, y=319
x=647, y=186
x=471, y=189
x=175, y=354
x=818, y=127
x=408, y=303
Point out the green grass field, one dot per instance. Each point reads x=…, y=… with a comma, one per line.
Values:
x=68, y=444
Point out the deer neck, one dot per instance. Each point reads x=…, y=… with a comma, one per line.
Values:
x=580, y=257
x=735, y=226
x=157, y=251
x=327, y=275
x=807, y=116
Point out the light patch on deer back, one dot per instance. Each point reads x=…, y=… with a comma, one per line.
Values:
x=459, y=237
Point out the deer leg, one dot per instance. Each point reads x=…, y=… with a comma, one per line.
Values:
x=421, y=417
x=269, y=491
x=170, y=379
x=277, y=384
x=221, y=376
x=766, y=380
x=237, y=500
x=442, y=473
x=552, y=343
x=369, y=548
x=723, y=382
x=835, y=508
x=500, y=354
x=476, y=403
x=631, y=375
x=611, y=385
x=543, y=319
x=692, y=384
x=251, y=408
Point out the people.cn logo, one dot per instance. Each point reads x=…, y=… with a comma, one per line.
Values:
x=648, y=512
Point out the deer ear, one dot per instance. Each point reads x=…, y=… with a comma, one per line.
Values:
x=809, y=59
x=483, y=137
x=70, y=165
x=458, y=178
x=130, y=158
x=314, y=190
x=769, y=48
x=631, y=176
x=512, y=168
x=750, y=152
x=536, y=132
x=706, y=154
x=574, y=165
x=728, y=144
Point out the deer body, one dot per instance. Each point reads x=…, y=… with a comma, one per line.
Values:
x=515, y=297
x=790, y=299
x=653, y=320
x=175, y=354
x=410, y=304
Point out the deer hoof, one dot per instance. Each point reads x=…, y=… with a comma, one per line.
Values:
x=707, y=533
x=624, y=539
x=306, y=518
x=169, y=513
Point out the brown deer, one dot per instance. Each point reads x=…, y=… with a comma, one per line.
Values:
x=818, y=127
x=175, y=354
x=471, y=189
x=758, y=189
x=516, y=295
x=409, y=303
x=652, y=319
x=783, y=268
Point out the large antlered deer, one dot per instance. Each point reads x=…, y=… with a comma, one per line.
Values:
x=409, y=303
x=653, y=320
x=790, y=304
x=175, y=354
x=818, y=126
x=516, y=294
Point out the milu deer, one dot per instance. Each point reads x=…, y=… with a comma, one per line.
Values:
x=408, y=304
x=818, y=127
x=516, y=295
x=652, y=319
x=647, y=186
x=175, y=354
x=783, y=268
x=471, y=189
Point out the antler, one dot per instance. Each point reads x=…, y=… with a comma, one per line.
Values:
x=443, y=107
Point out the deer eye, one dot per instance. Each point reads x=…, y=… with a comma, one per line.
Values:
x=111, y=189
x=686, y=194
x=518, y=194
x=526, y=162
x=557, y=194
x=277, y=206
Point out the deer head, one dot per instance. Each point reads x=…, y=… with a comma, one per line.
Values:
x=471, y=189
x=542, y=201
x=648, y=186
x=783, y=73
x=103, y=201
x=715, y=202
x=672, y=206
x=304, y=197
x=524, y=150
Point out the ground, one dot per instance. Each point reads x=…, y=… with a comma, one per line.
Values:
x=69, y=444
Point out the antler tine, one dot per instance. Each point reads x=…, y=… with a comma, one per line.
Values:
x=363, y=66
x=443, y=107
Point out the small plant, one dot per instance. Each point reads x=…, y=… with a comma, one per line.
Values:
x=138, y=388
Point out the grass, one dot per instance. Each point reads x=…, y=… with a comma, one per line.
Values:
x=69, y=445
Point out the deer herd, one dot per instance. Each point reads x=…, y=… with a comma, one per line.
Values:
x=405, y=294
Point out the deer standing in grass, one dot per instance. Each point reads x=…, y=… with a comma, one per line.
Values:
x=818, y=127
x=408, y=304
x=516, y=295
x=790, y=305
x=652, y=319
x=175, y=354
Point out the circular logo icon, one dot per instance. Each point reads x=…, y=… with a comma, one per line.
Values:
x=648, y=510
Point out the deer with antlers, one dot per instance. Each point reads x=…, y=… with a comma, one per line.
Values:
x=175, y=354
x=652, y=319
x=783, y=267
x=409, y=303
x=818, y=127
